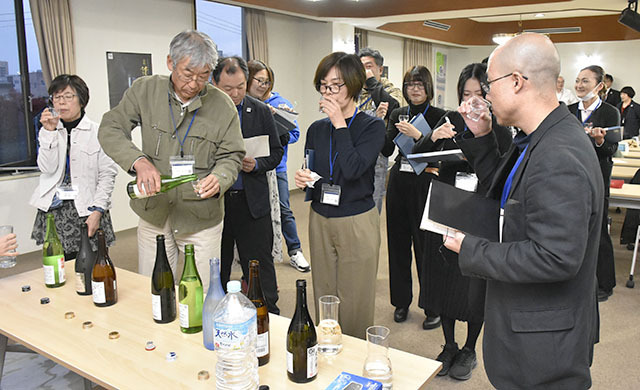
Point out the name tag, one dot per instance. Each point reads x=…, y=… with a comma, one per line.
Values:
x=467, y=181
x=405, y=166
x=330, y=194
x=67, y=192
x=181, y=166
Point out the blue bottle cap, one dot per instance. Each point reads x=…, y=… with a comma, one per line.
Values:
x=233, y=286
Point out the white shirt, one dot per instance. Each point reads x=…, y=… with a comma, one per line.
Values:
x=587, y=112
x=566, y=96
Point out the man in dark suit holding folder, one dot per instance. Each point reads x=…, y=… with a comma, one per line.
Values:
x=541, y=315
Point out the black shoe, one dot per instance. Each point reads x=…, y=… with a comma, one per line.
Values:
x=400, y=315
x=630, y=246
x=431, y=322
x=448, y=354
x=604, y=295
x=464, y=362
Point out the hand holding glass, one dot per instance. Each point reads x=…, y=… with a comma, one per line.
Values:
x=7, y=261
x=478, y=106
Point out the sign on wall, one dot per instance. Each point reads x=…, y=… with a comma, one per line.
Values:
x=441, y=77
x=122, y=70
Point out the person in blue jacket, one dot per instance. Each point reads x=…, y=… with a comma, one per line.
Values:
x=259, y=86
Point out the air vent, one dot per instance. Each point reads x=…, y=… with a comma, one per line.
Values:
x=559, y=30
x=436, y=25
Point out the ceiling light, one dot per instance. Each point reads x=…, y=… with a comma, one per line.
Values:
x=502, y=38
x=539, y=15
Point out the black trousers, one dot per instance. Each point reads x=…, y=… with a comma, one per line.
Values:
x=406, y=197
x=254, y=239
x=606, y=268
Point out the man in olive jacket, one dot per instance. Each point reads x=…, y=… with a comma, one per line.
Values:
x=188, y=126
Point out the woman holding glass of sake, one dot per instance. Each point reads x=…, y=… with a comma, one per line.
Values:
x=406, y=194
x=596, y=115
x=344, y=225
x=77, y=177
x=461, y=297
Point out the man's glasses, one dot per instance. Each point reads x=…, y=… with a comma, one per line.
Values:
x=66, y=97
x=200, y=79
x=263, y=83
x=486, y=85
x=333, y=88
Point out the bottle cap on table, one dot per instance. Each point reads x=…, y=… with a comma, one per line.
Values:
x=26, y=288
x=114, y=335
x=44, y=301
x=171, y=356
x=69, y=315
x=150, y=346
x=203, y=375
x=87, y=325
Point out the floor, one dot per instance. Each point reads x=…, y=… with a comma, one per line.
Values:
x=616, y=356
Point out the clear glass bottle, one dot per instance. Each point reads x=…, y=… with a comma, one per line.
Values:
x=53, y=256
x=190, y=296
x=215, y=294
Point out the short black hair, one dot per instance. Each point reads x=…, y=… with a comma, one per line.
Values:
x=369, y=52
x=75, y=82
x=472, y=71
x=418, y=73
x=349, y=67
x=598, y=71
x=230, y=65
x=629, y=91
x=608, y=77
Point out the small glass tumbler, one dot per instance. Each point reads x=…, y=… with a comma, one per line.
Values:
x=7, y=261
x=478, y=107
x=329, y=331
x=377, y=366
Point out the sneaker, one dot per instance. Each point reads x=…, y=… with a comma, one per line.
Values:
x=448, y=354
x=464, y=362
x=298, y=262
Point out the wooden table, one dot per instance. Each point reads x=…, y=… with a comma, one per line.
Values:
x=124, y=363
x=632, y=153
x=627, y=162
x=629, y=197
x=625, y=173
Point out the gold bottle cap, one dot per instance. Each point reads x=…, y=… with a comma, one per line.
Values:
x=203, y=375
x=69, y=315
x=87, y=325
x=114, y=335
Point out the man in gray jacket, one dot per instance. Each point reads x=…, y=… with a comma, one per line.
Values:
x=188, y=126
x=541, y=314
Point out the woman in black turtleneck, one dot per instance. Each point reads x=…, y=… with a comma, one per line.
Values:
x=406, y=195
x=77, y=177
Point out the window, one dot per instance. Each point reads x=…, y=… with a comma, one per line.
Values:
x=19, y=61
x=223, y=23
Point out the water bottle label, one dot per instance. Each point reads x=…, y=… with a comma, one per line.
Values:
x=234, y=336
x=98, y=292
x=80, y=282
x=262, y=346
x=289, y=362
x=312, y=361
x=156, y=307
x=184, y=315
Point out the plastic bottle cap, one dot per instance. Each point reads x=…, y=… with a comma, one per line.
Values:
x=26, y=288
x=233, y=286
x=171, y=356
x=44, y=301
x=150, y=346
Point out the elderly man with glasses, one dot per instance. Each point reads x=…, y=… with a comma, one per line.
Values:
x=188, y=127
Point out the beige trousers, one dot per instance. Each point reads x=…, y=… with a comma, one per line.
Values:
x=206, y=245
x=344, y=262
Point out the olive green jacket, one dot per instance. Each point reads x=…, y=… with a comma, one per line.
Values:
x=215, y=140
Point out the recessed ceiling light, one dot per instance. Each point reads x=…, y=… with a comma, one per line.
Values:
x=539, y=15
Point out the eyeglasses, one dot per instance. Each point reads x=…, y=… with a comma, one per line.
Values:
x=486, y=86
x=414, y=85
x=263, y=83
x=66, y=97
x=198, y=78
x=333, y=88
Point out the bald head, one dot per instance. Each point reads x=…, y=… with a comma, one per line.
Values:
x=531, y=54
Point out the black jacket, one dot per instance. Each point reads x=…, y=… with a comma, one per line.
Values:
x=541, y=314
x=257, y=120
x=630, y=119
x=605, y=116
x=613, y=97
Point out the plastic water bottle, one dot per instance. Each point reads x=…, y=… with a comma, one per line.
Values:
x=235, y=329
x=214, y=296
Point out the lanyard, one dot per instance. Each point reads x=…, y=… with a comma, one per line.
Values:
x=509, y=182
x=423, y=113
x=579, y=114
x=175, y=129
x=365, y=102
x=332, y=159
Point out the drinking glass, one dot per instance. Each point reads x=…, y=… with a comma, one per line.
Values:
x=196, y=186
x=377, y=365
x=329, y=331
x=7, y=261
x=403, y=118
x=478, y=106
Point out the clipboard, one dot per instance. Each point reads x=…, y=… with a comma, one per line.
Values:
x=432, y=157
x=405, y=143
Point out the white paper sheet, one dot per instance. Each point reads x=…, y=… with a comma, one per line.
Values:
x=257, y=146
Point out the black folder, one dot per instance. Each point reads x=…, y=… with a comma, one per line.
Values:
x=469, y=212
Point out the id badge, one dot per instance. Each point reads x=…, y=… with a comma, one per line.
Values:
x=67, y=192
x=467, y=181
x=405, y=166
x=181, y=166
x=330, y=194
